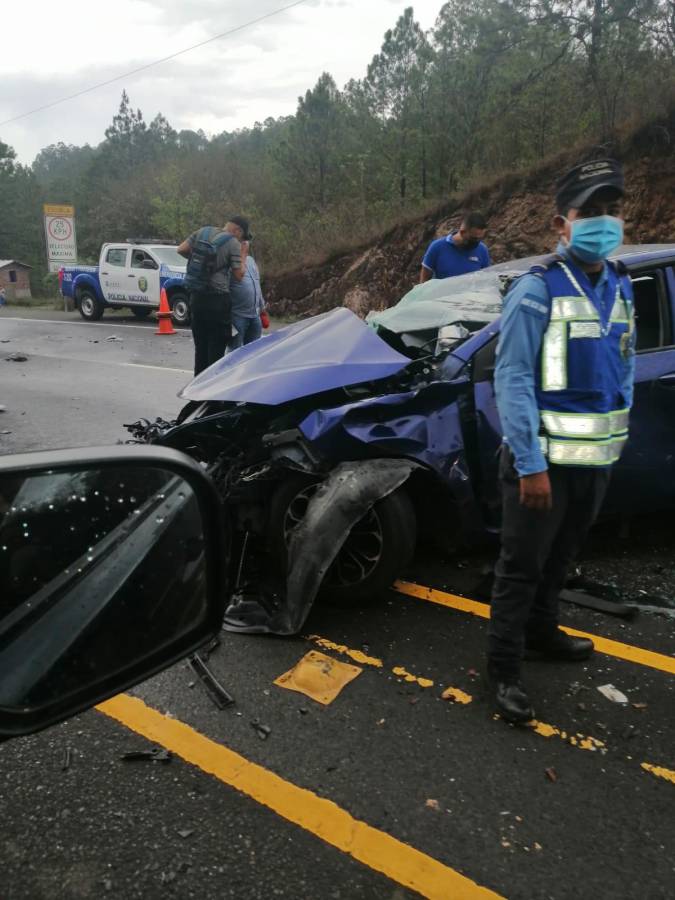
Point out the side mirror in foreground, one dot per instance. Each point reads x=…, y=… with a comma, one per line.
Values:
x=111, y=568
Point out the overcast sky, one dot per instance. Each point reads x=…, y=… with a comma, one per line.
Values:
x=52, y=48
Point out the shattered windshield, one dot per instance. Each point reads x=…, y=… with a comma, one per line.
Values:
x=475, y=298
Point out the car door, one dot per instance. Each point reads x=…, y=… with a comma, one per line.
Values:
x=644, y=478
x=143, y=278
x=113, y=274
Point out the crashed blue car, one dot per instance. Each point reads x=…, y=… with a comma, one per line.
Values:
x=336, y=444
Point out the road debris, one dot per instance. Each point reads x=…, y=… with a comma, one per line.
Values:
x=433, y=804
x=6, y=431
x=185, y=832
x=214, y=688
x=551, y=774
x=65, y=761
x=3, y=408
x=612, y=693
x=156, y=754
x=318, y=676
x=16, y=357
x=113, y=337
x=263, y=731
x=640, y=706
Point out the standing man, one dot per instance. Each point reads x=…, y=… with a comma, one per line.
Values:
x=564, y=386
x=247, y=306
x=213, y=256
x=458, y=253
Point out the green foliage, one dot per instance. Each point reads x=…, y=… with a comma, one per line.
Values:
x=494, y=86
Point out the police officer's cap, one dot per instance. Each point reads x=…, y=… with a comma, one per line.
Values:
x=581, y=182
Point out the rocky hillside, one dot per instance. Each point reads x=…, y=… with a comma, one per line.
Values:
x=519, y=208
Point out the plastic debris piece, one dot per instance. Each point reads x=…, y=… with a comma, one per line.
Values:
x=113, y=337
x=639, y=705
x=5, y=431
x=16, y=357
x=185, y=832
x=156, y=754
x=612, y=693
x=263, y=731
x=551, y=774
x=318, y=676
x=537, y=846
x=213, y=687
x=433, y=804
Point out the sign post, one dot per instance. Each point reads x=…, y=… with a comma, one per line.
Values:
x=60, y=235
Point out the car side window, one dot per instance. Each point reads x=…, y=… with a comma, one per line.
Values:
x=116, y=257
x=652, y=314
x=138, y=257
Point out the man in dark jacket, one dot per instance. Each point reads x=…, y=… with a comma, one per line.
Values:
x=210, y=306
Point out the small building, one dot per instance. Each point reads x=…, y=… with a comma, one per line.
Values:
x=15, y=279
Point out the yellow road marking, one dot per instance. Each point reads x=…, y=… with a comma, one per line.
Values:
x=400, y=672
x=659, y=771
x=360, y=657
x=627, y=652
x=379, y=851
x=583, y=741
x=458, y=696
x=356, y=655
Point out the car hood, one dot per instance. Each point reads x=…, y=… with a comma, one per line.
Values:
x=329, y=351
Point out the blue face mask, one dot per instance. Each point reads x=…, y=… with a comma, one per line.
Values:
x=592, y=240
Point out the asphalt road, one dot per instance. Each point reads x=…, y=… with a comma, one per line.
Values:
x=427, y=795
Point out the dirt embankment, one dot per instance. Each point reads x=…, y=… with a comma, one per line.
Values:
x=519, y=208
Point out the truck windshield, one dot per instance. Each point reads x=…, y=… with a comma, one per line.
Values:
x=169, y=257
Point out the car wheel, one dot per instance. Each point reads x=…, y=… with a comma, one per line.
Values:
x=141, y=312
x=90, y=306
x=376, y=551
x=180, y=309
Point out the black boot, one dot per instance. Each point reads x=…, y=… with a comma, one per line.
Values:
x=511, y=701
x=557, y=645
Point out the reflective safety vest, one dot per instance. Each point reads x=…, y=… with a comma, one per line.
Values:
x=584, y=355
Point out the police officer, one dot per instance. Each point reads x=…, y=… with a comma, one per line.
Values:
x=564, y=386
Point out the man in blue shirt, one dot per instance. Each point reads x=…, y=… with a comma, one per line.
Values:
x=564, y=387
x=247, y=305
x=458, y=253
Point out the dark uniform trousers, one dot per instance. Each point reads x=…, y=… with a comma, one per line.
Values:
x=537, y=550
x=211, y=318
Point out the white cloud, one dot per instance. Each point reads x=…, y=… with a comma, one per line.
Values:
x=227, y=84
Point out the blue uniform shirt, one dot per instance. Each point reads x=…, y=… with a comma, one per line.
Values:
x=445, y=259
x=525, y=319
x=246, y=295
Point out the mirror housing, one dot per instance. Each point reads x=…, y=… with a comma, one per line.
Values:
x=112, y=567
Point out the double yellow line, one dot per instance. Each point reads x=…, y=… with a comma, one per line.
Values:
x=321, y=817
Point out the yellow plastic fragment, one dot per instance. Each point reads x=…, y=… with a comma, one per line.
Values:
x=318, y=676
x=457, y=695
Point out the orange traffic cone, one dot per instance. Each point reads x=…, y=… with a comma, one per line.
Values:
x=164, y=315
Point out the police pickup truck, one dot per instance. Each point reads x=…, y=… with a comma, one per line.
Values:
x=130, y=274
